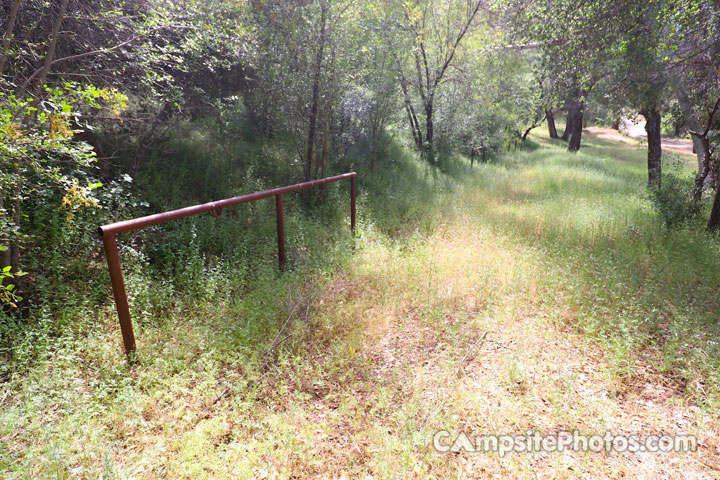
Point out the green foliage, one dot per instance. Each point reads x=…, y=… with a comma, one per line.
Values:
x=499, y=101
x=42, y=164
x=187, y=102
x=673, y=201
x=571, y=250
x=8, y=295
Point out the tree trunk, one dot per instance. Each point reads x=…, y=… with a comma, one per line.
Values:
x=429, y=124
x=527, y=132
x=615, y=124
x=551, y=123
x=714, y=222
x=307, y=167
x=414, y=124
x=328, y=118
x=693, y=123
x=678, y=127
x=523, y=137
x=576, y=112
x=652, y=127
x=707, y=166
x=5, y=259
x=51, y=48
x=704, y=168
x=8, y=35
x=568, y=125
x=17, y=215
x=698, y=150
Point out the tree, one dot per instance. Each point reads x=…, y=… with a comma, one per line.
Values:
x=434, y=35
x=695, y=65
x=300, y=68
x=639, y=77
x=62, y=73
x=492, y=101
x=573, y=38
x=8, y=34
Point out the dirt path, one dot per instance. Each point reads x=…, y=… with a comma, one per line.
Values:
x=458, y=337
x=492, y=361
x=636, y=132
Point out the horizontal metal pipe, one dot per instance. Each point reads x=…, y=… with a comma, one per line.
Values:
x=149, y=220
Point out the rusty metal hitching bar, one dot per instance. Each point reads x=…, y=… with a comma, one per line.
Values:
x=108, y=233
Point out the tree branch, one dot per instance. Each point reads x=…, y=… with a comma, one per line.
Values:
x=100, y=51
x=708, y=126
x=9, y=34
x=459, y=38
x=51, y=48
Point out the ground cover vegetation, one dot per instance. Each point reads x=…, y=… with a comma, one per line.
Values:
x=517, y=264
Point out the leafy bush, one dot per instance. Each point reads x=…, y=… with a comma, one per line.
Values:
x=673, y=201
x=44, y=170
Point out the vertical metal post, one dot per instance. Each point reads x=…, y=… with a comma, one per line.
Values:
x=280, y=229
x=353, y=194
x=118, y=286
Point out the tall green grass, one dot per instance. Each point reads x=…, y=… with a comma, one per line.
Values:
x=646, y=293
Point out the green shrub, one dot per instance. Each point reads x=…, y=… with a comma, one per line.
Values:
x=674, y=203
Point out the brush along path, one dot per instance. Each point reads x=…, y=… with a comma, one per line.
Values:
x=542, y=297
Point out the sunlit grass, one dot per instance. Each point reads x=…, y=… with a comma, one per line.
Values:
x=540, y=292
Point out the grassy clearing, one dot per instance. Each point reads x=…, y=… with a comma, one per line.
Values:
x=537, y=293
